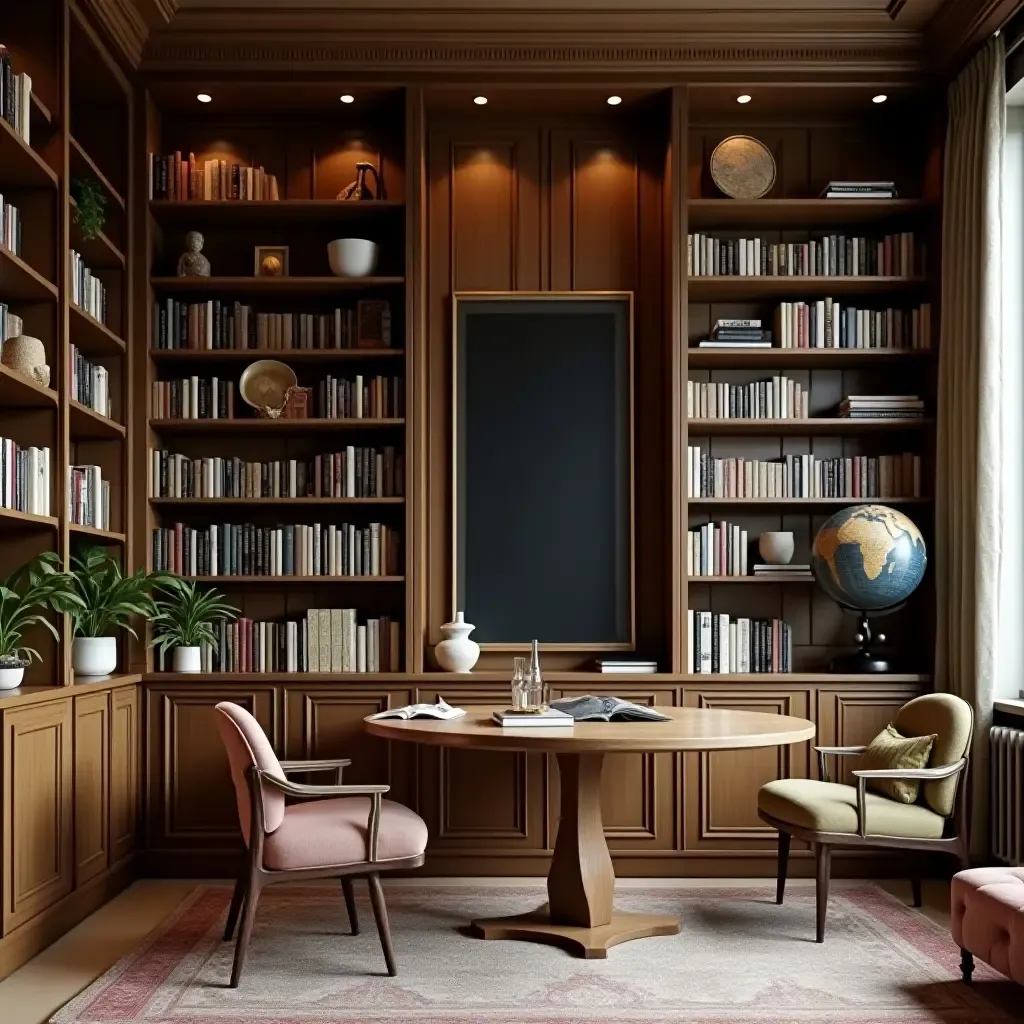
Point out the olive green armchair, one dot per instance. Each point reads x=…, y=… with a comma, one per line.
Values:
x=826, y=814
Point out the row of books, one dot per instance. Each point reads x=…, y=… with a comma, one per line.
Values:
x=11, y=325
x=824, y=323
x=356, y=472
x=15, y=96
x=10, y=226
x=341, y=398
x=323, y=640
x=717, y=549
x=804, y=476
x=193, y=398
x=247, y=549
x=894, y=255
x=882, y=407
x=718, y=643
x=778, y=398
x=172, y=177
x=859, y=190
x=88, y=497
x=90, y=383
x=215, y=325
x=24, y=478
x=87, y=290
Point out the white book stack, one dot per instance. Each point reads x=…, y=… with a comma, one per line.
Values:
x=778, y=398
x=24, y=478
x=717, y=549
x=88, y=497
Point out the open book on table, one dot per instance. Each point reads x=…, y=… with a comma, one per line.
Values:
x=607, y=709
x=441, y=710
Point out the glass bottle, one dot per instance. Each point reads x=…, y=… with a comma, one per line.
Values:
x=536, y=690
x=520, y=699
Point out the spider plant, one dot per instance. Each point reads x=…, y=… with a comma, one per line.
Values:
x=186, y=616
x=108, y=599
x=23, y=596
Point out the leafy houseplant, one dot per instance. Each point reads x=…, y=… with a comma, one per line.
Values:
x=108, y=600
x=89, y=210
x=184, y=621
x=23, y=596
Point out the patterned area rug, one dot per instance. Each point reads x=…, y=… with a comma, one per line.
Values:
x=738, y=958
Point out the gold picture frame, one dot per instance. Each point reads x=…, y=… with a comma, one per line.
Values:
x=269, y=253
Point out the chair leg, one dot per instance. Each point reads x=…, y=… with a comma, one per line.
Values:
x=915, y=885
x=823, y=857
x=350, y=903
x=780, y=885
x=252, y=897
x=380, y=915
x=236, y=905
x=966, y=965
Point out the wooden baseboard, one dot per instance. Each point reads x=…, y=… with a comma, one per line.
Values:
x=48, y=926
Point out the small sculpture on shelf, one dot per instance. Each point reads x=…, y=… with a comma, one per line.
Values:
x=193, y=263
x=456, y=652
x=359, y=189
x=26, y=356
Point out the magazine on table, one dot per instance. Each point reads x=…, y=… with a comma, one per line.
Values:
x=607, y=709
x=442, y=710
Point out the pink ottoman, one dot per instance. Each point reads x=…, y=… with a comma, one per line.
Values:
x=987, y=919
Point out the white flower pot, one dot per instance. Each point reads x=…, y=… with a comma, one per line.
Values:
x=10, y=678
x=94, y=655
x=776, y=548
x=456, y=652
x=187, y=659
x=352, y=257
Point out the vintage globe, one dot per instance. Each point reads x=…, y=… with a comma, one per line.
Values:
x=869, y=557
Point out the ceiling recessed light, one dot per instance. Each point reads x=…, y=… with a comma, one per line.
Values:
x=479, y=100
x=880, y=98
x=743, y=99
x=204, y=97
x=348, y=98
x=614, y=101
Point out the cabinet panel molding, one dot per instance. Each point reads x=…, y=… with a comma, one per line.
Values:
x=124, y=771
x=91, y=785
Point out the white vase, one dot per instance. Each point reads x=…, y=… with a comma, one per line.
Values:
x=352, y=257
x=94, y=655
x=187, y=659
x=456, y=652
x=10, y=678
x=776, y=548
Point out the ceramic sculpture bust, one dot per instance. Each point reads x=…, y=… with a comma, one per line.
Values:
x=26, y=356
x=193, y=263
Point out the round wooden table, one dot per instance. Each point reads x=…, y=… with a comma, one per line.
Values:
x=580, y=914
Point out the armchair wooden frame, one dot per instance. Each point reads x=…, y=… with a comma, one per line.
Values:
x=253, y=876
x=954, y=840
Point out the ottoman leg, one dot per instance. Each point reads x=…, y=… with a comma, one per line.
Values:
x=966, y=965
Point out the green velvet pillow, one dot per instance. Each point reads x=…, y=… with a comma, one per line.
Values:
x=891, y=750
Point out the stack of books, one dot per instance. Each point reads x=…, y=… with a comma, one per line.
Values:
x=623, y=665
x=87, y=291
x=718, y=643
x=859, y=190
x=738, y=334
x=882, y=407
x=15, y=96
x=88, y=497
x=172, y=177
x=784, y=572
x=824, y=323
x=549, y=718
x=717, y=549
x=90, y=384
x=779, y=398
x=24, y=478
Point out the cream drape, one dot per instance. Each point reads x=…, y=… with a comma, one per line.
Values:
x=968, y=484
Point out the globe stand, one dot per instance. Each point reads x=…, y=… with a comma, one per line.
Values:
x=864, y=660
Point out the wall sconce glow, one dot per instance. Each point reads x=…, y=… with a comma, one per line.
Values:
x=743, y=99
x=347, y=98
x=614, y=101
x=479, y=100
x=204, y=97
x=880, y=98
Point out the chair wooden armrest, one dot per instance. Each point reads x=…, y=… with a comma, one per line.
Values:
x=338, y=764
x=839, y=752
x=929, y=774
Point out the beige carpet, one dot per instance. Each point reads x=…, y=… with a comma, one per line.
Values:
x=739, y=958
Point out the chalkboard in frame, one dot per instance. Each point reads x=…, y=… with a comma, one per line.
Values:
x=542, y=440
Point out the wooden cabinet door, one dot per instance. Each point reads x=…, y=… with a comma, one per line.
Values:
x=641, y=805
x=38, y=854
x=192, y=804
x=722, y=786
x=92, y=785
x=124, y=771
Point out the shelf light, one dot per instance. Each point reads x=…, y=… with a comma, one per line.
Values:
x=880, y=98
x=348, y=98
x=743, y=99
x=204, y=97
x=614, y=101
x=480, y=100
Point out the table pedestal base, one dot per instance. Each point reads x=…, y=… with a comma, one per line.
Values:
x=589, y=943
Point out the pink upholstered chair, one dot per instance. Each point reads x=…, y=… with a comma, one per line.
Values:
x=349, y=831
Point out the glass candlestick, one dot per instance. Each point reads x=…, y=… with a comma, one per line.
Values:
x=520, y=701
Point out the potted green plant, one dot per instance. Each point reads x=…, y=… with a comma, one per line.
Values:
x=108, y=601
x=24, y=595
x=89, y=209
x=184, y=621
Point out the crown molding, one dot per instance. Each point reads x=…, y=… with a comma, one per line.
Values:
x=128, y=23
x=961, y=26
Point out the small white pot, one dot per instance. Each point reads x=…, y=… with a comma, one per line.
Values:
x=187, y=659
x=352, y=257
x=776, y=548
x=94, y=655
x=10, y=678
x=456, y=652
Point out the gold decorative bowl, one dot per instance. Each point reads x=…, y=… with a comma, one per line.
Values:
x=265, y=385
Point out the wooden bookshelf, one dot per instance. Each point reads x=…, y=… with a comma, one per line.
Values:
x=92, y=337
x=708, y=214
x=738, y=289
x=284, y=581
x=810, y=427
x=298, y=502
x=802, y=358
x=228, y=287
x=270, y=427
x=19, y=281
x=233, y=213
x=749, y=579
x=296, y=355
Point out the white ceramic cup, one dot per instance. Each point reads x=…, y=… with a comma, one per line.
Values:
x=352, y=257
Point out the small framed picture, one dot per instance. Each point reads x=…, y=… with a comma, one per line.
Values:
x=271, y=260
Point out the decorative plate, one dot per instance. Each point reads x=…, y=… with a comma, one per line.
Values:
x=742, y=167
x=265, y=385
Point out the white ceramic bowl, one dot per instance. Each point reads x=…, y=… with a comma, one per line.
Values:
x=776, y=548
x=352, y=257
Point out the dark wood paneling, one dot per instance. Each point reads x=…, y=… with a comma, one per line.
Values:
x=125, y=751
x=92, y=785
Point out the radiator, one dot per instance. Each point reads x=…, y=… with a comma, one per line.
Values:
x=1007, y=752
